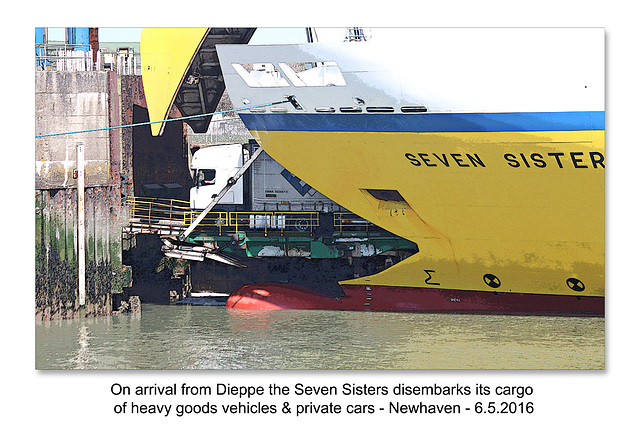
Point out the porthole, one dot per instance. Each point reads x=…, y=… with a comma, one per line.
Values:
x=325, y=109
x=414, y=109
x=380, y=110
x=350, y=110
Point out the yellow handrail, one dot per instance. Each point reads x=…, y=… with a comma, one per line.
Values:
x=178, y=214
x=349, y=222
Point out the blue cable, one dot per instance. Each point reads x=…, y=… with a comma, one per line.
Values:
x=160, y=121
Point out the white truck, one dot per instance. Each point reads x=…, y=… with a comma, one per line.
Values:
x=267, y=185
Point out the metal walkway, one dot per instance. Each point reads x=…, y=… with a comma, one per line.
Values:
x=231, y=237
x=172, y=217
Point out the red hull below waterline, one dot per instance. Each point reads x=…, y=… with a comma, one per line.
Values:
x=278, y=296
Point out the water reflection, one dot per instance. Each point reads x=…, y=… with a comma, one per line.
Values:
x=197, y=337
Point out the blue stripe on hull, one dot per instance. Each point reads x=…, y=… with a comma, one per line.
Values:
x=429, y=122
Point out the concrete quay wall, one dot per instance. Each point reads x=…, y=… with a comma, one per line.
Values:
x=68, y=102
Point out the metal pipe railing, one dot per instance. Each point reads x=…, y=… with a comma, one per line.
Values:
x=177, y=215
x=79, y=57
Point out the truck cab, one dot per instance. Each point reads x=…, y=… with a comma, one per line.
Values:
x=211, y=168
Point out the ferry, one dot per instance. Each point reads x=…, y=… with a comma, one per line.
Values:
x=484, y=147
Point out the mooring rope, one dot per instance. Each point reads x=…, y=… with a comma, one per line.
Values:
x=163, y=121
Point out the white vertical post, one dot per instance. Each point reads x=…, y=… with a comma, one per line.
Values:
x=81, y=251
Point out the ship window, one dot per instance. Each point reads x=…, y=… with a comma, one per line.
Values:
x=350, y=110
x=387, y=195
x=380, y=109
x=260, y=75
x=205, y=177
x=414, y=109
x=325, y=109
x=313, y=73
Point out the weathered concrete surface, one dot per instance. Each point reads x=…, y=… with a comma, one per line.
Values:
x=77, y=101
x=56, y=250
x=73, y=101
x=67, y=102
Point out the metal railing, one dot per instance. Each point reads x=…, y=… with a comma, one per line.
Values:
x=75, y=57
x=268, y=223
x=346, y=222
x=170, y=216
x=290, y=222
x=161, y=216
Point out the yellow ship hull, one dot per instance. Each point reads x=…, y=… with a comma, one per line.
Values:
x=495, y=171
x=508, y=212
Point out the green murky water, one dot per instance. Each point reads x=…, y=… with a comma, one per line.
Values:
x=211, y=337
